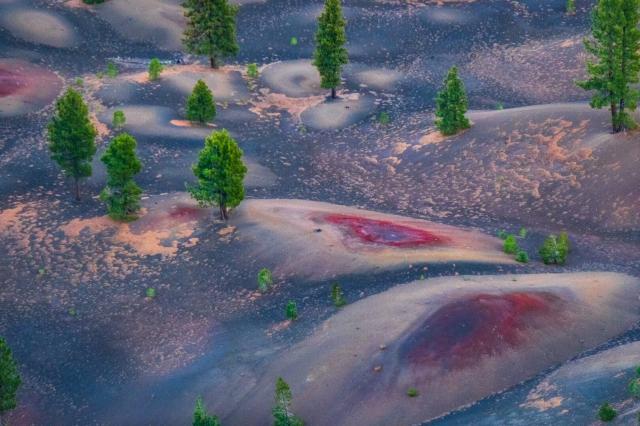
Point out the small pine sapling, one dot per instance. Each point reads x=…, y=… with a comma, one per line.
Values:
x=9, y=379
x=522, y=256
x=200, y=105
x=337, y=296
x=412, y=392
x=607, y=413
x=119, y=119
x=155, y=68
x=510, y=245
x=201, y=417
x=265, y=280
x=112, y=70
x=291, y=310
x=252, y=70
x=571, y=7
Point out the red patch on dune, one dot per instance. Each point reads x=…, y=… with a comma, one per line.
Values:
x=10, y=82
x=458, y=334
x=384, y=232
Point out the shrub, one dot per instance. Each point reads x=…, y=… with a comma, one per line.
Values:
x=522, y=256
x=200, y=106
x=265, y=279
x=634, y=387
x=502, y=234
x=112, y=70
x=638, y=371
x=412, y=392
x=118, y=119
x=607, y=412
x=252, y=70
x=337, y=296
x=150, y=292
x=571, y=7
x=293, y=41
x=522, y=233
x=499, y=106
x=155, y=68
x=79, y=82
x=292, y=310
x=201, y=417
x=510, y=244
x=384, y=118
x=554, y=250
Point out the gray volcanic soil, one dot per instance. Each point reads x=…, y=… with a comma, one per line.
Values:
x=93, y=349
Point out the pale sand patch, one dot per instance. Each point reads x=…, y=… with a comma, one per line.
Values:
x=340, y=383
x=294, y=106
x=187, y=123
x=285, y=232
x=338, y=113
x=432, y=138
x=39, y=27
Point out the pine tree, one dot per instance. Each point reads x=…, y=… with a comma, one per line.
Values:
x=571, y=7
x=220, y=172
x=122, y=195
x=201, y=417
x=155, y=68
x=451, y=105
x=330, y=54
x=282, y=410
x=614, y=44
x=200, y=105
x=211, y=29
x=9, y=379
x=72, y=137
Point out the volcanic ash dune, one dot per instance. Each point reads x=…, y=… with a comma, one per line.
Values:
x=455, y=339
x=317, y=239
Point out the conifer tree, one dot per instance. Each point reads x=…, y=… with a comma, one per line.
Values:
x=201, y=417
x=200, y=105
x=220, y=172
x=155, y=68
x=122, y=195
x=615, y=68
x=451, y=105
x=282, y=410
x=211, y=29
x=330, y=54
x=9, y=379
x=72, y=137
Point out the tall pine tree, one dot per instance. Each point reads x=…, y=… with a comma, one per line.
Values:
x=211, y=29
x=9, y=379
x=282, y=415
x=122, y=195
x=201, y=417
x=72, y=137
x=451, y=105
x=220, y=172
x=330, y=54
x=614, y=44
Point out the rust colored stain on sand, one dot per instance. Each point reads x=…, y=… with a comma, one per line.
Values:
x=10, y=82
x=382, y=232
x=458, y=334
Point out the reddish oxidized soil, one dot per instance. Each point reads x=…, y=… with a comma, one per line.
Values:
x=458, y=334
x=382, y=232
x=10, y=82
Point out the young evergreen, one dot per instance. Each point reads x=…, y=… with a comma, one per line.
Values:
x=330, y=54
x=220, y=172
x=9, y=379
x=211, y=29
x=72, y=137
x=122, y=195
x=282, y=415
x=155, y=68
x=451, y=105
x=200, y=105
x=201, y=417
x=614, y=70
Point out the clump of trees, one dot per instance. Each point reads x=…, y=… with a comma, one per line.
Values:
x=555, y=249
x=615, y=68
x=122, y=194
x=330, y=54
x=211, y=29
x=200, y=105
x=155, y=68
x=282, y=415
x=9, y=379
x=72, y=137
x=451, y=105
x=220, y=172
x=201, y=417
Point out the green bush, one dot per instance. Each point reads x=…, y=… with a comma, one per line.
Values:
x=384, y=118
x=502, y=234
x=200, y=106
x=155, y=68
x=510, y=244
x=522, y=233
x=112, y=70
x=79, y=82
x=150, y=292
x=607, y=412
x=119, y=119
x=292, y=310
x=412, y=392
x=252, y=70
x=265, y=280
x=522, y=256
x=555, y=250
x=293, y=41
x=634, y=387
x=571, y=7
x=337, y=296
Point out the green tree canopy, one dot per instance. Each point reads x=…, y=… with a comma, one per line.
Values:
x=72, y=137
x=614, y=69
x=201, y=417
x=9, y=379
x=211, y=29
x=121, y=195
x=220, y=172
x=282, y=415
x=330, y=54
x=451, y=105
x=200, y=105
x=155, y=68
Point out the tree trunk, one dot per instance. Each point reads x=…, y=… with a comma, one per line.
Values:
x=223, y=212
x=76, y=184
x=614, y=118
x=333, y=93
x=621, y=125
x=212, y=61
